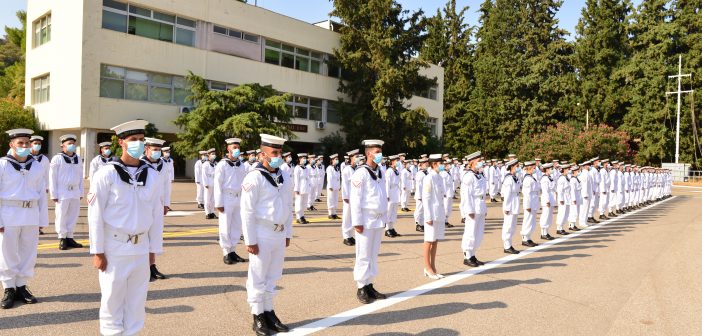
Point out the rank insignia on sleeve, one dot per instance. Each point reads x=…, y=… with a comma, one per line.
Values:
x=356, y=184
x=90, y=198
x=246, y=186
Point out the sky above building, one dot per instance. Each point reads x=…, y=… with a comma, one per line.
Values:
x=318, y=10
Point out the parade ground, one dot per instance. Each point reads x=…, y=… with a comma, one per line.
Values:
x=637, y=274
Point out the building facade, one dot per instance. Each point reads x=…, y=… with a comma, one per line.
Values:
x=92, y=64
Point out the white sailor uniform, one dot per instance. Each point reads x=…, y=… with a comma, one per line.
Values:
x=228, y=177
x=66, y=185
x=333, y=187
x=369, y=206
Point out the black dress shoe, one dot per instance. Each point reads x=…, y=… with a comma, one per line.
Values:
x=388, y=233
x=260, y=325
x=574, y=228
x=374, y=293
x=237, y=257
x=8, y=299
x=348, y=242
x=200, y=206
x=592, y=220
x=419, y=228
x=336, y=216
x=492, y=200
x=511, y=250
x=463, y=220
x=480, y=263
x=318, y=200
x=72, y=243
x=395, y=233
x=562, y=232
x=547, y=237
x=63, y=244
x=156, y=274
x=274, y=323
x=228, y=259
x=353, y=240
x=330, y=217
x=529, y=243
x=470, y=262
x=41, y=232
x=448, y=225
x=363, y=296
x=23, y=294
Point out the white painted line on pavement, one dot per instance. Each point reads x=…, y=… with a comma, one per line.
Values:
x=342, y=317
x=690, y=187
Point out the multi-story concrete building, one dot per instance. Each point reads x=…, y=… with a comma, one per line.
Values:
x=92, y=64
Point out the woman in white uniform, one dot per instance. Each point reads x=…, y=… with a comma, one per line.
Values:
x=433, y=193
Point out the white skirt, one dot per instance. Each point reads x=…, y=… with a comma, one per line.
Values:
x=434, y=232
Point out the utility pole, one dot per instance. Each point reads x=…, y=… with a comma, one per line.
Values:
x=679, y=76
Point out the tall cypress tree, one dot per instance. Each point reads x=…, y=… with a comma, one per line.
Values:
x=602, y=48
x=449, y=44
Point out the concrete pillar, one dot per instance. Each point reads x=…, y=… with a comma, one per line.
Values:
x=87, y=148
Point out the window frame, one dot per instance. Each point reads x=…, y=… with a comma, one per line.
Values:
x=44, y=86
x=40, y=25
x=242, y=34
x=175, y=24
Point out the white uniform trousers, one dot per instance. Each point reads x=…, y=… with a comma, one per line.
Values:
x=584, y=212
x=419, y=213
x=562, y=216
x=404, y=198
x=367, y=249
x=604, y=203
x=392, y=216
x=67, y=211
x=229, y=228
x=594, y=204
x=311, y=197
x=621, y=200
x=509, y=225
x=346, y=227
x=265, y=269
x=473, y=234
x=300, y=205
x=332, y=201
x=123, y=285
x=209, y=200
x=448, y=207
x=546, y=219
x=18, y=255
x=528, y=224
x=612, y=201
x=574, y=213
x=199, y=189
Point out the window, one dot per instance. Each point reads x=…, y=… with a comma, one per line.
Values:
x=42, y=30
x=306, y=108
x=432, y=123
x=235, y=34
x=333, y=114
x=181, y=90
x=144, y=22
x=40, y=89
x=292, y=57
x=429, y=93
x=333, y=68
x=111, y=82
x=122, y=83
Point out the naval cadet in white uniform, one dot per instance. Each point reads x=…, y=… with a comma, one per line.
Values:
x=547, y=200
x=66, y=189
x=346, y=174
x=23, y=210
x=101, y=159
x=392, y=190
x=197, y=172
x=266, y=215
x=530, y=203
x=433, y=194
x=474, y=185
x=333, y=175
x=37, y=142
x=369, y=206
x=153, y=157
x=510, y=204
x=170, y=168
x=124, y=210
x=229, y=174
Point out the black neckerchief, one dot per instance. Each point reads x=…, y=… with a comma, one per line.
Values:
x=38, y=157
x=106, y=160
x=532, y=176
x=409, y=170
x=19, y=166
x=477, y=175
x=267, y=175
x=232, y=163
x=313, y=166
x=302, y=166
x=337, y=167
x=549, y=177
x=166, y=160
x=397, y=173
x=514, y=177
x=159, y=164
x=139, y=177
x=372, y=173
x=425, y=172
x=212, y=163
x=69, y=159
x=577, y=179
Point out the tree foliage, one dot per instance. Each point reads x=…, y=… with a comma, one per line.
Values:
x=14, y=115
x=243, y=112
x=12, y=63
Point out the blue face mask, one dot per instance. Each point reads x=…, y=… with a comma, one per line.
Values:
x=276, y=162
x=304, y=162
x=441, y=168
x=36, y=148
x=480, y=165
x=22, y=152
x=155, y=155
x=519, y=171
x=213, y=157
x=398, y=165
x=378, y=158
x=236, y=152
x=71, y=148
x=107, y=152
x=135, y=149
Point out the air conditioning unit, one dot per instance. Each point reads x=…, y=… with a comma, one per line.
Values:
x=185, y=109
x=320, y=125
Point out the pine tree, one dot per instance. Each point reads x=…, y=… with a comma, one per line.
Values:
x=378, y=44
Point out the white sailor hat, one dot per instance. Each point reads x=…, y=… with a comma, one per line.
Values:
x=36, y=138
x=258, y=151
x=301, y=155
x=373, y=143
x=211, y=150
x=615, y=162
x=232, y=141
x=537, y=159
x=154, y=142
x=67, y=137
x=563, y=162
x=547, y=166
x=564, y=166
x=435, y=158
x=494, y=160
x=20, y=133
x=422, y=160
x=166, y=149
x=333, y=156
x=393, y=157
x=473, y=156
x=511, y=155
x=455, y=159
x=511, y=163
x=250, y=151
x=311, y=156
x=584, y=163
x=202, y=152
x=361, y=157
x=352, y=153
x=286, y=154
x=423, y=156
x=529, y=163
x=554, y=160
x=574, y=167
x=401, y=154
x=105, y=144
x=130, y=128
x=604, y=160
x=272, y=141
